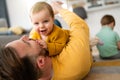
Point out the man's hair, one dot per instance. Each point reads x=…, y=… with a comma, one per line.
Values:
x=37, y=7
x=107, y=19
x=12, y=67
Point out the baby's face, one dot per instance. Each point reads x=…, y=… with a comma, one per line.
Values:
x=43, y=22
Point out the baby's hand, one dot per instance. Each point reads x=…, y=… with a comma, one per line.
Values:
x=99, y=41
x=94, y=41
x=42, y=43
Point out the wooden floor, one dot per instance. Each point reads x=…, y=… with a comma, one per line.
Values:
x=103, y=76
x=104, y=70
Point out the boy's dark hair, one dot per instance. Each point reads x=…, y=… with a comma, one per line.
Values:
x=107, y=19
x=12, y=67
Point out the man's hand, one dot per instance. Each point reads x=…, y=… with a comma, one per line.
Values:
x=56, y=5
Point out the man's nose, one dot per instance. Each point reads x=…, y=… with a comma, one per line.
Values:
x=25, y=38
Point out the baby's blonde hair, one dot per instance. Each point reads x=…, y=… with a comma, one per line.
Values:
x=41, y=6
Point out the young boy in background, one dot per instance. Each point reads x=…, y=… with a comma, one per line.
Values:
x=111, y=40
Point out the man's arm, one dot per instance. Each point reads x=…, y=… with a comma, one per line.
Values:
x=75, y=22
x=76, y=53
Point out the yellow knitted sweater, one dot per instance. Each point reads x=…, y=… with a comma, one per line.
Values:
x=74, y=62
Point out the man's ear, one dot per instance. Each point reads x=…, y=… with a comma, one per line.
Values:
x=41, y=62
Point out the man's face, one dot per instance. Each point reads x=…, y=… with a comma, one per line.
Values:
x=25, y=47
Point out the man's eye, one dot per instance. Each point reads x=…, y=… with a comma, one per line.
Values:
x=32, y=39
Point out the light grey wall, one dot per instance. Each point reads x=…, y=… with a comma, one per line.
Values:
x=18, y=13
